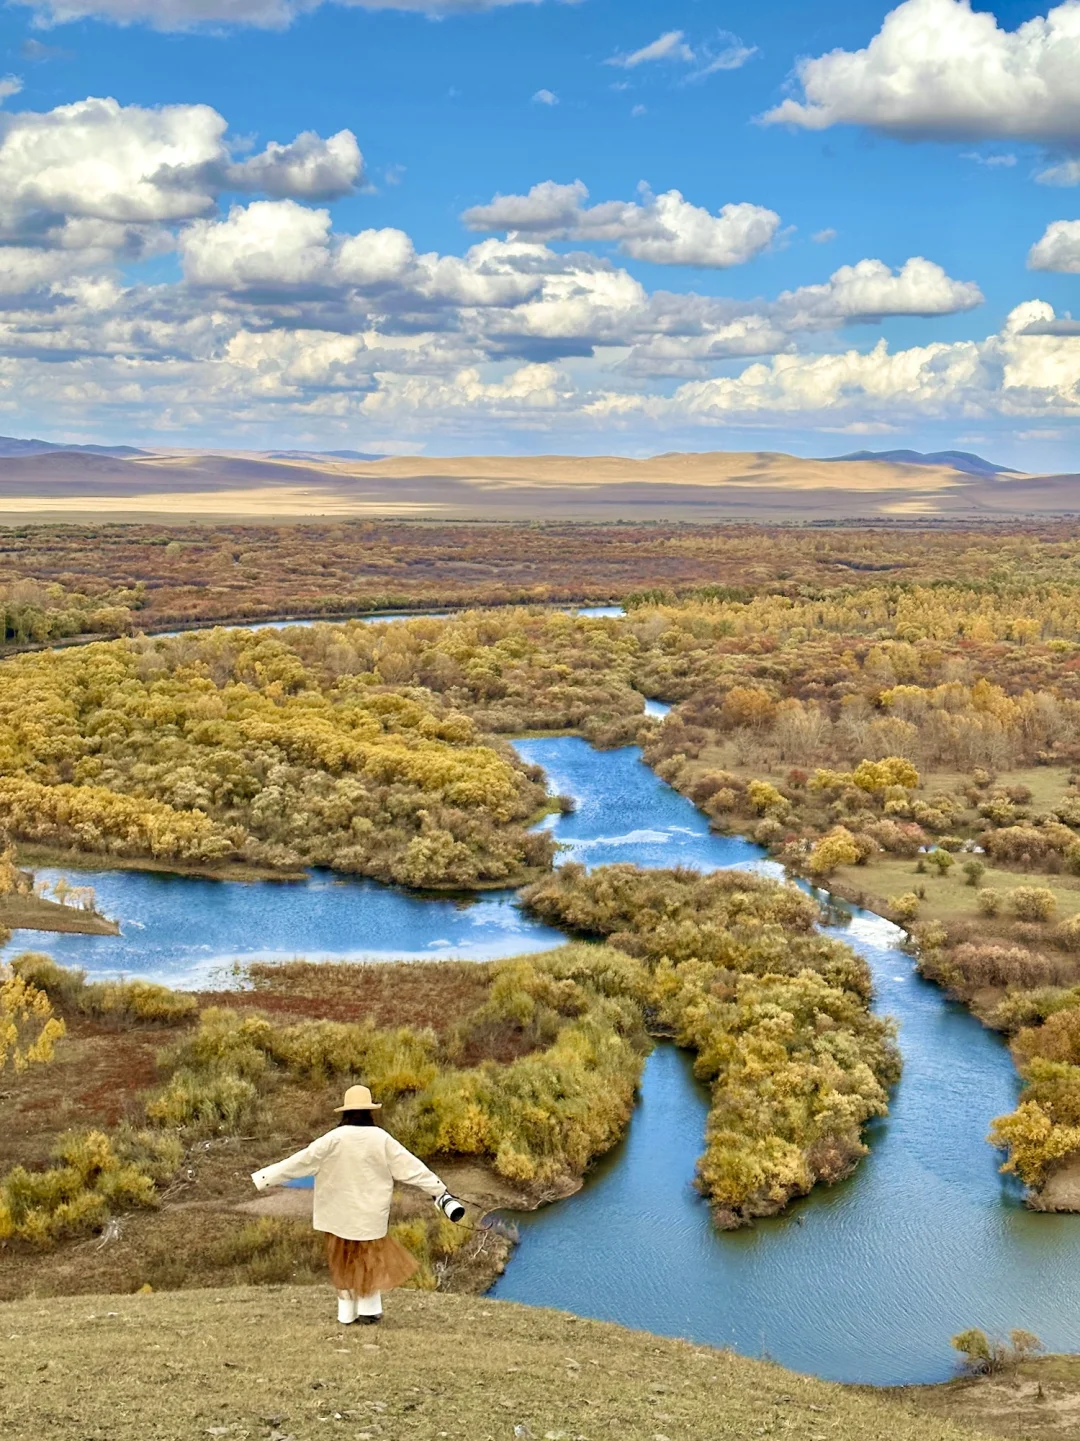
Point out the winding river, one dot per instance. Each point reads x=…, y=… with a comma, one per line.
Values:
x=864, y=1282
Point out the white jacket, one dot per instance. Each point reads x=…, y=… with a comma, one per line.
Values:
x=355, y=1168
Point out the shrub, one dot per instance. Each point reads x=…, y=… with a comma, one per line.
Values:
x=138, y=1001
x=218, y=1102
x=973, y=870
x=838, y=848
x=903, y=908
x=1068, y=933
x=1034, y=1140
x=989, y=901
x=1033, y=903
x=96, y=1177
x=941, y=860
x=28, y=1029
x=985, y=1355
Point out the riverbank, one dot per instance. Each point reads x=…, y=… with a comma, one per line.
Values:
x=509, y=1078
x=27, y=912
x=1036, y=1400
x=55, y=857
x=273, y=1364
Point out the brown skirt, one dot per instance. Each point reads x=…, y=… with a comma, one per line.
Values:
x=364, y=1267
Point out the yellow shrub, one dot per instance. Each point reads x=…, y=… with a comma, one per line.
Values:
x=28, y=1029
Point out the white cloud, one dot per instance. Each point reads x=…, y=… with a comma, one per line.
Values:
x=669, y=46
x=664, y=229
x=991, y=162
x=824, y=237
x=673, y=48
x=10, y=85
x=264, y=14
x=939, y=70
x=1022, y=372
x=1065, y=172
x=308, y=168
x=870, y=291
x=129, y=165
x=1059, y=248
x=545, y=97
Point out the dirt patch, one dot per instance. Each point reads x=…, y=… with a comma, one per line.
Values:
x=1035, y=1401
x=97, y=1078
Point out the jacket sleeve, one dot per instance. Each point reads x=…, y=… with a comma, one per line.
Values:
x=303, y=1163
x=410, y=1171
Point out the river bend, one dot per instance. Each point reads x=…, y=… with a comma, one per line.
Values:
x=864, y=1282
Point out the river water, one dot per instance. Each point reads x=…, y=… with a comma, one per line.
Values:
x=864, y=1282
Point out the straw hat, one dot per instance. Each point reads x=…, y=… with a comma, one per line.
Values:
x=358, y=1098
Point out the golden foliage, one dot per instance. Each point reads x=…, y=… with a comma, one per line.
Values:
x=28, y=1028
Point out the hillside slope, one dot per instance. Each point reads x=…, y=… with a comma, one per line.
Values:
x=763, y=485
x=270, y=1363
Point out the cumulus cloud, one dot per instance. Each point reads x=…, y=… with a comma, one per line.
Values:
x=130, y=165
x=1025, y=371
x=939, y=70
x=1059, y=248
x=665, y=229
x=870, y=291
x=308, y=168
x=545, y=97
x=265, y=14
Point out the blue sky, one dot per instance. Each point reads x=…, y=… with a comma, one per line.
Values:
x=210, y=310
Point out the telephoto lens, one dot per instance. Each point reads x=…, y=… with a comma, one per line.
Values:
x=450, y=1206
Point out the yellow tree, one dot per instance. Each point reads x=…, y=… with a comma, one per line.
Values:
x=28, y=1029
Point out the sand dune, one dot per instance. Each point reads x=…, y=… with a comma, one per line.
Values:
x=676, y=486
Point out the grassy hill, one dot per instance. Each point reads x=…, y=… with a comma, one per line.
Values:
x=270, y=1363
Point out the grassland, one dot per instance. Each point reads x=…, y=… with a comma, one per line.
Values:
x=271, y=1364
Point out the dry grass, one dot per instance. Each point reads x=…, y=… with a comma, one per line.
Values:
x=434, y=996
x=272, y=1363
x=948, y=898
x=34, y=913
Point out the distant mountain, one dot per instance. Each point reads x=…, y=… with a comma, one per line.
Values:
x=959, y=460
x=322, y=455
x=10, y=446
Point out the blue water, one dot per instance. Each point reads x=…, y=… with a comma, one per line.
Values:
x=368, y=619
x=863, y=1282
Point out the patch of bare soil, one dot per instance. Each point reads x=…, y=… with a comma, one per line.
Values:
x=1035, y=1401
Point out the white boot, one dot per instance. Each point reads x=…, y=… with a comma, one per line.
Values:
x=369, y=1308
x=346, y=1308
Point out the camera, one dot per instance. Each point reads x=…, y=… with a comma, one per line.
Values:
x=450, y=1206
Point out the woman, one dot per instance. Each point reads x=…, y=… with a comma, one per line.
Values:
x=355, y=1167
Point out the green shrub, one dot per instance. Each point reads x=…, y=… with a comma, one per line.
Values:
x=973, y=870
